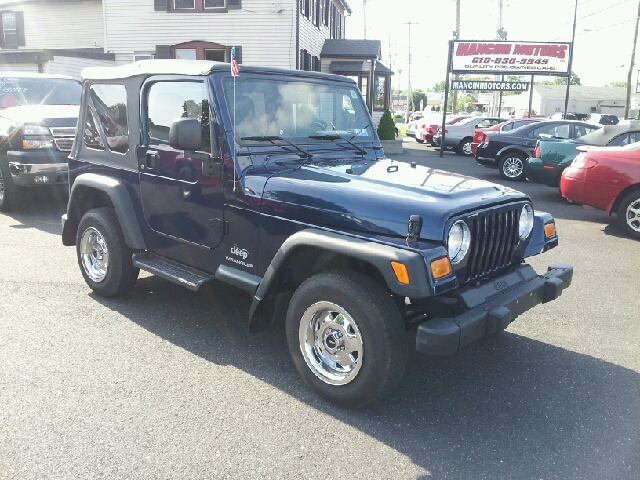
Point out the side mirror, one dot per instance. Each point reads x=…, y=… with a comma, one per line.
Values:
x=185, y=134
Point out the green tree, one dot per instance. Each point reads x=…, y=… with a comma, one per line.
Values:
x=617, y=84
x=438, y=87
x=575, y=80
x=418, y=94
x=387, y=127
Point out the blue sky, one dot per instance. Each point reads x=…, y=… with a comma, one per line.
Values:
x=604, y=33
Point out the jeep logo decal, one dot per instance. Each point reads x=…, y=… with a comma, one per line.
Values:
x=240, y=252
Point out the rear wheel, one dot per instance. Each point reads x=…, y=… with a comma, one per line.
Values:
x=103, y=255
x=419, y=140
x=346, y=338
x=512, y=166
x=629, y=214
x=464, y=147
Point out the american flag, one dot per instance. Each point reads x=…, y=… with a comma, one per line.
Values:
x=235, y=68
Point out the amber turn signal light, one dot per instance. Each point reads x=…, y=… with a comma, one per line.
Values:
x=550, y=230
x=440, y=267
x=400, y=269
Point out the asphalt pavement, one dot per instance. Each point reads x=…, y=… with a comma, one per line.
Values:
x=167, y=383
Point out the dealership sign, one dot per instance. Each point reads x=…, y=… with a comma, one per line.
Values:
x=490, y=86
x=522, y=58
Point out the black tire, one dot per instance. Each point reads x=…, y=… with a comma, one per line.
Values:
x=433, y=144
x=10, y=193
x=464, y=147
x=629, y=214
x=511, y=167
x=419, y=141
x=119, y=275
x=377, y=321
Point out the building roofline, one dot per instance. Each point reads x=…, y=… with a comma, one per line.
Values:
x=191, y=67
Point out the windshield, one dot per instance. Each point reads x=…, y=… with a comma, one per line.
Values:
x=296, y=109
x=16, y=92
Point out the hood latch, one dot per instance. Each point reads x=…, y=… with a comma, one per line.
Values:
x=415, y=226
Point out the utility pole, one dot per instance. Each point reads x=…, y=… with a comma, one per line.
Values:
x=409, y=94
x=627, y=105
x=455, y=77
x=573, y=40
x=364, y=16
x=496, y=100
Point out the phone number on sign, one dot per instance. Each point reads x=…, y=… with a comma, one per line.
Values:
x=511, y=61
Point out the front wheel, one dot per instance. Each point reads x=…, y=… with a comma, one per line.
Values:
x=9, y=192
x=103, y=255
x=346, y=338
x=512, y=167
x=629, y=214
x=464, y=147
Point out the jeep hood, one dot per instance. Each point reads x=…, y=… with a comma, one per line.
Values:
x=50, y=115
x=378, y=196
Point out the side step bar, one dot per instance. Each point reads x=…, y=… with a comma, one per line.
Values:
x=169, y=270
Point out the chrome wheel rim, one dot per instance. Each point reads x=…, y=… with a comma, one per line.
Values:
x=632, y=215
x=466, y=148
x=94, y=255
x=513, y=167
x=331, y=343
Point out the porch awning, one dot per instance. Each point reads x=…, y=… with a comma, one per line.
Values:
x=341, y=67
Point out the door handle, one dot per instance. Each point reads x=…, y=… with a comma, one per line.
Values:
x=152, y=160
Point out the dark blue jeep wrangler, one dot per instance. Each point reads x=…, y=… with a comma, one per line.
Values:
x=275, y=182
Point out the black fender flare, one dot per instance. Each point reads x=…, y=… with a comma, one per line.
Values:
x=378, y=254
x=517, y=148
x=117, y=192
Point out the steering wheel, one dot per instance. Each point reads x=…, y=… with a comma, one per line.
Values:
x=312, y=128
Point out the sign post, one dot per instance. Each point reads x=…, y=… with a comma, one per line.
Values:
x=446, y=97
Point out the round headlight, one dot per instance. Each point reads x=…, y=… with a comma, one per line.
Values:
x=458, y=241
x=526, y=221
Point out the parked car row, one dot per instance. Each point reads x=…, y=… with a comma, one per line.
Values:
x=594, y=164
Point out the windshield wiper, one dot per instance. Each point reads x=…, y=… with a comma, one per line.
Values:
x=273, y=138
x=335, y=136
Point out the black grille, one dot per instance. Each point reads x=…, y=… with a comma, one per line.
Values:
x=494, y=237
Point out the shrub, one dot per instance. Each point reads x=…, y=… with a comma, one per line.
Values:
x=387, y=127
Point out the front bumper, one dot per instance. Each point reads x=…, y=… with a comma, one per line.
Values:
x=489, y=311
x=38, y=167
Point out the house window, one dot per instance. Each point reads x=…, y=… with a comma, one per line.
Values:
x=221, y=4
x=184, y=4
x=307, y=8
x=214, y=54
x=203, y=5
x=364, y=88
x=12, y=30
x=185, y=53
x=142, y=56
x=326, y=8
x=380, y=92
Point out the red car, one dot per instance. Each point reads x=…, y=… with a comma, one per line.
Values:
x=431, y=129
x=501, y=127
x=607, y=178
